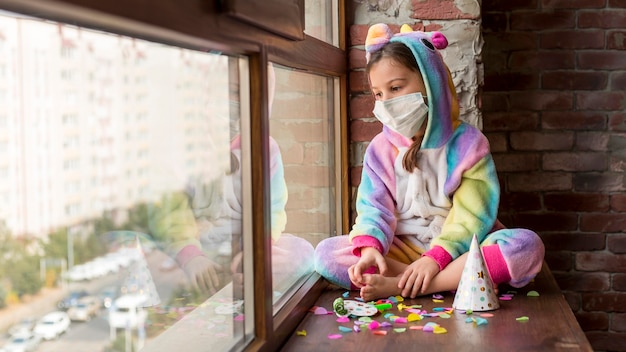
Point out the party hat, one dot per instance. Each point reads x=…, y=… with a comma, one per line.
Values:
x=475, y=291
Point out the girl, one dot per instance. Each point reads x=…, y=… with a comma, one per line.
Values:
x=428, y=185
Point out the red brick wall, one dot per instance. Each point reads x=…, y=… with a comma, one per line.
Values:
x=553, y=105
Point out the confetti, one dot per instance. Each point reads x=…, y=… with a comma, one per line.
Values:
x=343, y=319
x=344, y=329
x=524, y=318
x=399, y=330
x=301, y=332
x=413, y=317
x=439, y=330
x=356, y=328
x=486, y=315
x=380, y=332
x=373, y=325
x=438, y=300
x=532, y=294
x=437, y=296
x=320, y=311
x=346, y=294
x=334, y=336
x=416, y=327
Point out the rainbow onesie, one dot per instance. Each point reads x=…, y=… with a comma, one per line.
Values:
x=436, y=209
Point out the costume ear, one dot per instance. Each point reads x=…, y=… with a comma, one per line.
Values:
x=377, y=36
x=439, y=40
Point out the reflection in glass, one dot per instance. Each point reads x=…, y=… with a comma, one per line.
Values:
x=321, y=22
x=301, y=127
x=119, y=180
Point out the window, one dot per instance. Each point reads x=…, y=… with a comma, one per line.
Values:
x=237, y=148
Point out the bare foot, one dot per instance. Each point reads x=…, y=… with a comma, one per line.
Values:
x=379, y=286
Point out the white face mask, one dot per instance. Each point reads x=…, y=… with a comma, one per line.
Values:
x=404, y=114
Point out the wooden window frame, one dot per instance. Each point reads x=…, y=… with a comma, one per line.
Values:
x=201, y=24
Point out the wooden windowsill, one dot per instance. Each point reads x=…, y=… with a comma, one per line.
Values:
x=551, y=326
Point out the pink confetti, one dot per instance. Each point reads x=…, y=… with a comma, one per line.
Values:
x=320, y=311
x=373, y=325
x=486, y=315
x=343, y=320
x=400, y=320
x=416, y=327
x=334, y=336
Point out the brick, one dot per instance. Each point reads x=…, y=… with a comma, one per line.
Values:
x=601, y=100
x=600, y=261
x=573, y=39
x=609, y=19
x=537, y=21
x=606, y=301
x=619, y=282
x=617, y=121
x=497, y=142
x=443, y=10
x=493, y=22
x=617, y=243
x=542, y=101
x=618, y=202
x=573, y=241
x=520, y=201
x=361, y=106
x=573, y=300
x=363, y=131
x=511, y=41
x=606, y=341
x=585, y=282
x=510, y=121
x=616, y=40
x=549, y=221
x=494, y=102
x=579, y=202
x=577, y=161
x=592, y=141
x=572, y=4
x=602, y=222
x=355, y=176
x=515, y=162
x=618, y=322
x=356, y=59
x=573, y=120
x=541, y=141
x=539, y=182
x=358, y=82
x=542, y=60
x=599, y=182
x=509, y=5
x=590, y=321
x=559, y=261
x=573, y=80
x=618, y=81
x=358, y=33
x=601, y=60
x=512, y=81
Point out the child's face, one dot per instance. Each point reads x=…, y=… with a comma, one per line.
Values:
x=390, y=79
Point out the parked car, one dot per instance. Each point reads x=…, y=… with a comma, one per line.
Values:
x=127, y=311
x=86, y=308
x=52, y=325
x=108, y=295
x=71, y=299
x=22, y=343
x=24, y=327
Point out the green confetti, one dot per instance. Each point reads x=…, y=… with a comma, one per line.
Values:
x=399, y=330
x=532, y=294
x=524, y=318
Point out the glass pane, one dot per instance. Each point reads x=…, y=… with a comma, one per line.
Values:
x=301, y=129
x=120, y=190
x=321, y=20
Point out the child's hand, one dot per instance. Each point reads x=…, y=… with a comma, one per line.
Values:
x=202, y=273
x=417, y=276
x=369, y=256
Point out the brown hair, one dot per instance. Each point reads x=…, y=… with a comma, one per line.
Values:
x=401, y=54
